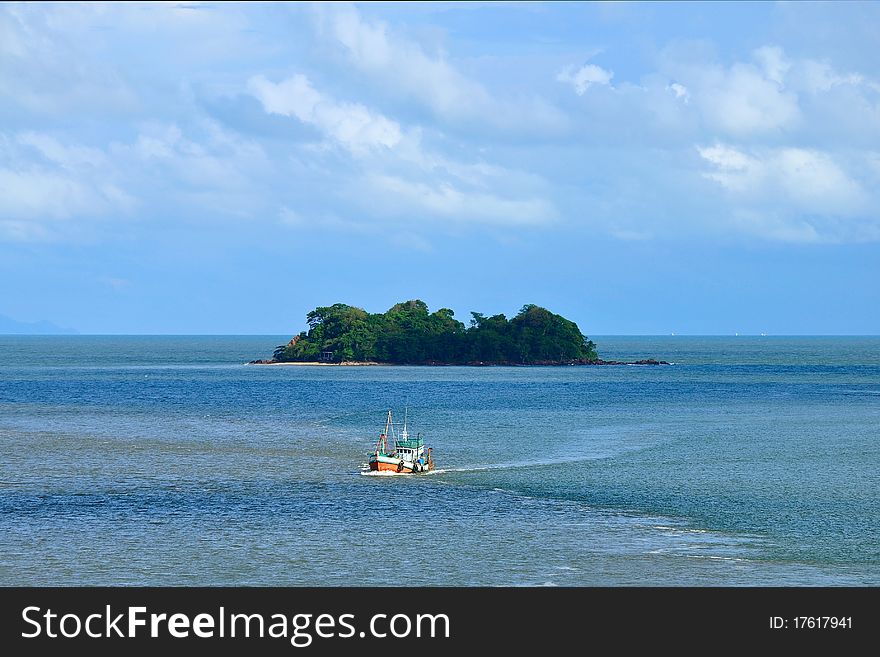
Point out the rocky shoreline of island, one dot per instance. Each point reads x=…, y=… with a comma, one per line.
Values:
x=598, y=361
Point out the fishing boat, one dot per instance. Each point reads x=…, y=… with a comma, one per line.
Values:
x=400, y=452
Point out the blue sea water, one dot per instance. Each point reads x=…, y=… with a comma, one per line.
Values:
x=166, y=460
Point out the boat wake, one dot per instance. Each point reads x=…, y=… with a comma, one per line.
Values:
x=480, y=468
x=530, y=463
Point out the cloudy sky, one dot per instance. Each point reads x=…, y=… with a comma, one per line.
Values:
x=647, y=169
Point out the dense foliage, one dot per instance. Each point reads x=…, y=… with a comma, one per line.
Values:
x=408, y=333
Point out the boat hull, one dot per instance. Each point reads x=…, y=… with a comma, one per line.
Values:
x=390, y=464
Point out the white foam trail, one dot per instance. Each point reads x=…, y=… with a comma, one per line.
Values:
x=526, y=464
x=494, y=466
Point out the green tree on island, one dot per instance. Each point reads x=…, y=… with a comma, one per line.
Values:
x=408, y=333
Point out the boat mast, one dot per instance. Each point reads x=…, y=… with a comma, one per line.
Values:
x=385, y=433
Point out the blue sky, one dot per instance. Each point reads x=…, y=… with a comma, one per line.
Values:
x=639, y=168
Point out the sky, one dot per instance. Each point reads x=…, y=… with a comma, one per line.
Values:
x=199, y=168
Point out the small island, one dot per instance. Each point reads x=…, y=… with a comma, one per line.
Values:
x=407, y=334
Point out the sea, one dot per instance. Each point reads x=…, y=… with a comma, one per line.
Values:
x=167, y=460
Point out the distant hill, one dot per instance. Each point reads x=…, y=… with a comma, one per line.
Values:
x=9, y=326
x=408, y=334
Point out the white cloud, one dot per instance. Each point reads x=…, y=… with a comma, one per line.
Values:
x=791, y=131
x=51, y=188
x=733, y=168
x=404, y=69
x=46, y=184
x=585, y=77
x=680, y=91
x=36, y=193
x=771, y=95
x=395, y=174
x=773, y=62
x=34, y=200
x=747, y=98
x=456, y=204
x=742, y=101
x=810, y=179
x=213, y=167
x=372, y=48
x=793, y=194
x=349, y=124
x=816, y=181
x=67, y=156
x=820, y=77
x=43, y=67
